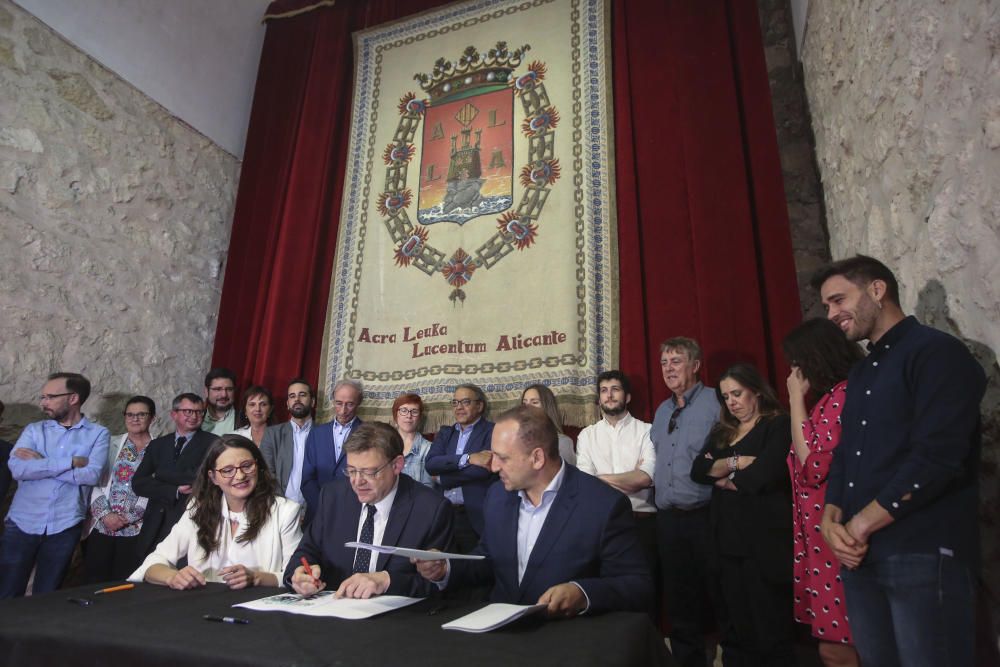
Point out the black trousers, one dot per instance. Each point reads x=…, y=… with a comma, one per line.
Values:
x=109, y=558
x=759, y=614
x=692, y=596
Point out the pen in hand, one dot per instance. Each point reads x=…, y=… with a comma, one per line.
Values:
x=309, y=571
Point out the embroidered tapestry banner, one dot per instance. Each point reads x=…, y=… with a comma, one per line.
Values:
x=477, y=233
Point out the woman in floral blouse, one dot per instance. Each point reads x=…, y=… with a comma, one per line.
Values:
x=821, y=357
x=116, y=512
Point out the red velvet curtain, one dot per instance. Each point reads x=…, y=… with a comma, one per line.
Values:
x=703, y=231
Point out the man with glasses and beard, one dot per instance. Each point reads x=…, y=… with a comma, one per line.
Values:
x=902, y=493
x=680, y=426
x=221, y=414
x=376, y=504
x=168, y=470
x=617, y=450
x=284, y=445
x=53, y=462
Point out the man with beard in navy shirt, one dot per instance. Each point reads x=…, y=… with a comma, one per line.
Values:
x=902, y=498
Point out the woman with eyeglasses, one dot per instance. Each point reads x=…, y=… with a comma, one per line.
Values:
x=750, y=516
x=821, y=358
x=258, y=405
x=115, y=516
x=407, y=415
x=235, y=529
x=540, y=396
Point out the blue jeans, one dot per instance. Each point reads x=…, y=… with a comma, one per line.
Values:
x=912, y=610
x=49, y=554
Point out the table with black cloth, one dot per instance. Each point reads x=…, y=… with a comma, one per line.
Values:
x=154, y=625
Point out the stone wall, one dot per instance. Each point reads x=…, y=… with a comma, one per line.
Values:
x=114, y=225
x=905, y=104
x=803, y=191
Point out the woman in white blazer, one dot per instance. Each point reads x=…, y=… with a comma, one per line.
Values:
x=235, y=530
x=115, y=514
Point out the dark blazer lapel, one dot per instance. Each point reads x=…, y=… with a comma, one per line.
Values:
x=286, y=453
x=558, y=518
x=506, y=533
x=193, y=446
x=402, y=505
x=451, y=445
x=347, y=510
x=477, y=440
x=333, y=443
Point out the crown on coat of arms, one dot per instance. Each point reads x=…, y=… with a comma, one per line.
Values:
x=472, y=70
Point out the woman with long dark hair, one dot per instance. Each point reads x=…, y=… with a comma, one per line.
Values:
x=821, y=357
x=235, y=529
x=750, y=516
x=540, y=396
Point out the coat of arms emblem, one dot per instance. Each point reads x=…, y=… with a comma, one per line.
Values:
x=467, y=161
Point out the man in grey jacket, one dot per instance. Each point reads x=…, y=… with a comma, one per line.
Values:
x=284, y=445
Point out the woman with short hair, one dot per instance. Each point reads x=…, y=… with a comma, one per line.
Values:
x=258, y=406
x=115, y=510
x=407, y=416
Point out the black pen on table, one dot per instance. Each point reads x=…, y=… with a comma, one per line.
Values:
x=226, y=619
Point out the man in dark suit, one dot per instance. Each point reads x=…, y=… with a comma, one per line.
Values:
x=554, y=535
x=283, y=445
x=460, y=458
x=168, y=471
x=379, y=506
x=324, y=456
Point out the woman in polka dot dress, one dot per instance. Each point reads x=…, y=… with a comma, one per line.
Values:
x=820, y=357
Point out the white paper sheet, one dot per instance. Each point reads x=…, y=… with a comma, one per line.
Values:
x=325, y=604
x=412, y=553
x=491, y=617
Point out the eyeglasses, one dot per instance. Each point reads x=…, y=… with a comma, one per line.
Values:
x=49, y=397
x=136, y=415
x=408, y=412
x=188, y=412
x=672, y=426
x=247, y=468
x=464, y=402
x=351, y=473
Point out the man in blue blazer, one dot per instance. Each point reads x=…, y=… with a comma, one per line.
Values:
x=460, y=458
x=324, y=456
x=379, y=506
x=553, y=534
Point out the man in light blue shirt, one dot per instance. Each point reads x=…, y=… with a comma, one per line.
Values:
x=552, y=534
x=55, y=461
x=324, y=459
x=680, y=426
x=460, y=458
